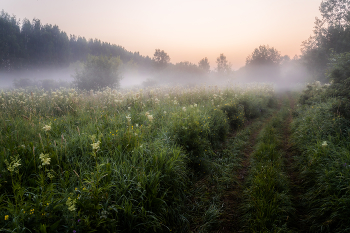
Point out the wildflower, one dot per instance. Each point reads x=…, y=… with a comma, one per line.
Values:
x=164, y=112
x=47, y=128
x=45, y=159
x=184, y=109
x=71, y=204
x=195, y=105
x=150, y=117
x=93, y=137
x=32, y=211
x=128, y=117
x=324, y=144
x=6, y=217
x=50, y=175
x=96, y=145
x=15, y=162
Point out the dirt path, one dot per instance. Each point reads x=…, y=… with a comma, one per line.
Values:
x=293, y=174
x=232, y=198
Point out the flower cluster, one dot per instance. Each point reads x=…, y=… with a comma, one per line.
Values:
x=71, y=204
x=324, y=144
x=45, y=159
x=15, y=163
x=47, y=127
x=96, y=145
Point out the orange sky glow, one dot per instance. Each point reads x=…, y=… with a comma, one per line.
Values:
x=188, y=30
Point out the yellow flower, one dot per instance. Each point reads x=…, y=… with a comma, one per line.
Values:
x=6, y=217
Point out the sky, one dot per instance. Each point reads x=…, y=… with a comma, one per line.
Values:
x=188, y=30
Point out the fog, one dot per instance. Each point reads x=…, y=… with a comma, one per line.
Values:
x=288, y=76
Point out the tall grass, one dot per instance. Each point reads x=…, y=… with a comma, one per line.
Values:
x=267, y=204
x=110, y=161
x=322, y=139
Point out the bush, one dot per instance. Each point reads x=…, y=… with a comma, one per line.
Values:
x=98, y=72
x=235, y=114
x=339, y=74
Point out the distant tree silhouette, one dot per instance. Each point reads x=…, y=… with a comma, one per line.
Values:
x=223, y=66
x=161, y=58
x=264, y=63
x=204, y=65
x=264, y=55
x=30, y=44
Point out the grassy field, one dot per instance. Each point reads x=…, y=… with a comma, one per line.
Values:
x=200, y=159
x=113, y=161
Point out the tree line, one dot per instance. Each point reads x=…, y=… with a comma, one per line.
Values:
x=29, y=44
x=26, y=44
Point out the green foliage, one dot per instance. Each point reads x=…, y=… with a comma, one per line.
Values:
x=313, y=94
x=98, y=72
x=267, y=200
x=112, y=161
x=235, y=114
x=339, y=74
x=322, y=138
x=331, y=35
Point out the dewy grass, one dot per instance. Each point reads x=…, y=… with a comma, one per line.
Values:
x=267, y=202
x=321, y=138
x=97, y=161
x=206, y=196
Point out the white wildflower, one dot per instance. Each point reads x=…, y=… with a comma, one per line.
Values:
x=47, y=127
x=324, y=144
x=45, y=159
x=96, y=145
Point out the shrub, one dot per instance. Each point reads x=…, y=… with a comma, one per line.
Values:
x=339, y=74
x=97, y=73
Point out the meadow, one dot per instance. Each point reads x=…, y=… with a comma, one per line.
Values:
x=173, y=159
x=113, y=161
